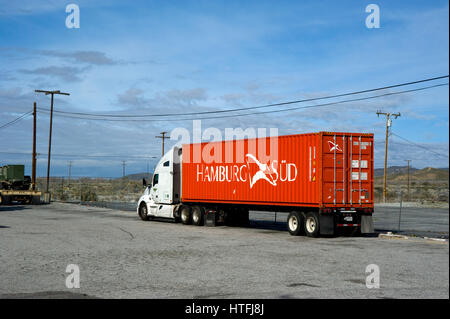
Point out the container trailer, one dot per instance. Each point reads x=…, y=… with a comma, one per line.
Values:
x=323, y=180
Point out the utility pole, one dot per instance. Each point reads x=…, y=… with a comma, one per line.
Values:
x=123, y=168
x=52, y=93
x=33, y=159
x=388, y=124
x=408, y=176
x=70, y=171
x=163, y=137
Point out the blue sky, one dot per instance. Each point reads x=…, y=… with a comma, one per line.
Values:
x=148, y=57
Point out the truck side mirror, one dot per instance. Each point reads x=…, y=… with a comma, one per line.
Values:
x=144, y=182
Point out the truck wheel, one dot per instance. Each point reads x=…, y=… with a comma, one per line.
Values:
x=197, y=215
x=295, y=224
x=312, y=224
x=185, y=215
x=143, y=212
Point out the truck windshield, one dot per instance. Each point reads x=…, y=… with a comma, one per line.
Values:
x=155, y=179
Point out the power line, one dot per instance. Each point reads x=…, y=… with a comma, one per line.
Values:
x=418, y=145
x=16, y=119
x=257, y=113
x=260, y=106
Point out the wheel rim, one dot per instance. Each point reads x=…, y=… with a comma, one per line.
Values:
x=144, y=211
x=184, y=215
x=293, y=223
x=195, y=217
x=310, y=224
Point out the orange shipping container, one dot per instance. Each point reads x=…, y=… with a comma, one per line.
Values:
x=325, y=169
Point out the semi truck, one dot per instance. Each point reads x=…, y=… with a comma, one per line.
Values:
x=16, y=187
x=323, y=180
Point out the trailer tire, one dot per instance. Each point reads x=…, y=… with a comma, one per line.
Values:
x=295, y=223
x=198, y=214
x=27, y=200
x=143, y=212
x=36, y=200
x=185, y=215
x=312, y=225
x=6, y=200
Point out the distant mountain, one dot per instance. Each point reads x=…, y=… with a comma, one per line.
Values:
x=140, y=176
x=395, y=170
x=425, y=174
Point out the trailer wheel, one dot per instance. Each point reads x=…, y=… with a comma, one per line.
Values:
x=36, y=200
x=185, y=215
x=312, y=224
x=6, y=200
x=143, y=212
x=295, y=223
x=197, y=215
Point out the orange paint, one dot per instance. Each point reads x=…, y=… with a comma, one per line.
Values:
x=312, y=170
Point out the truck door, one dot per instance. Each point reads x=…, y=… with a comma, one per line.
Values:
x=360, y=177
x=164, y=191
x=334, y=169
x=163, y=181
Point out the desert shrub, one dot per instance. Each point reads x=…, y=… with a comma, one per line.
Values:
x=88, y=195
x=60, y=195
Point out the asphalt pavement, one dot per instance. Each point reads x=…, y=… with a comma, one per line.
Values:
x=120, y=256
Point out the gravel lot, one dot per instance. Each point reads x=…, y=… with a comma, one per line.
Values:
x=121, y=256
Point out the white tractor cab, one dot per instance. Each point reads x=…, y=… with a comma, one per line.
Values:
x=162, y=197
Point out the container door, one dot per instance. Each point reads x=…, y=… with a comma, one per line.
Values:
x=360, y=154
x=334, y=166
x=347, y=169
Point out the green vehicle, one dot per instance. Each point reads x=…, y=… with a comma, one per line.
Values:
x=15, y=186
x=13, y=177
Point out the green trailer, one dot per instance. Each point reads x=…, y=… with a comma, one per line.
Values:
x=8, y=197
x=13, y=177
x=16, y=187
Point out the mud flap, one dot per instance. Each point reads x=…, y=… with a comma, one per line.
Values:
x=210, y=218
x=326, y=224
x=366, y=224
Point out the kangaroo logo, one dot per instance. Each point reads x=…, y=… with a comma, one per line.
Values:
x=334, y=146
x=265, y=171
